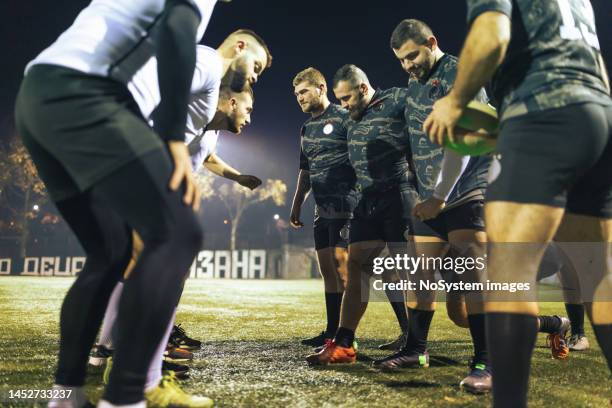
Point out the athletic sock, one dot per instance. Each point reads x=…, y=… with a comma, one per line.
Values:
x=401, y=313
x=603, y=333
x=549, y=324
x=479, y=338
x=333, y=302
x=344, y=337
x=154, y=374
x=110, y=316
x=106, y=404
x=510, y=341
x=77, y=397
x=418, y=330
x=575, y=312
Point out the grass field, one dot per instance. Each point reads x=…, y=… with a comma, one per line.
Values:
x=252, y=357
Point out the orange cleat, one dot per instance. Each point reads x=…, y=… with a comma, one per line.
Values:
x=558, y=342
x=333, y=354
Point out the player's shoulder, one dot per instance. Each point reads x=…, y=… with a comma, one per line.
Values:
x=337, y=110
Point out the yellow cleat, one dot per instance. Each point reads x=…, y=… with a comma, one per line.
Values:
x=169, y=394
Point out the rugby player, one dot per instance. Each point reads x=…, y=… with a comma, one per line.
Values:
x=553, y=93
x=452, y=189
x=325, y=169
x=378, y=147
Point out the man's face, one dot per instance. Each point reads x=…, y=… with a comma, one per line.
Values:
x=417, y=60
x=351, y=98
x=240, y=112
x=246, y=67
x=308, y=96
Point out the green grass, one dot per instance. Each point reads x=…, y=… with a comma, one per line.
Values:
x=252, y=358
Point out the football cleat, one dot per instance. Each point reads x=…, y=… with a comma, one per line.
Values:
x=181, y=371
x=169, y=394
x=578, y=342
x=99, y=355
x=333, y=354
x=557, y=341
x=478, y=381
x=403, y=359
x=396, y=344
x=318, y=341
x=177, y=355
x=179, y=338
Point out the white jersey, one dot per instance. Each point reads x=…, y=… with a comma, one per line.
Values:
x=113, y=38
x=202, y=147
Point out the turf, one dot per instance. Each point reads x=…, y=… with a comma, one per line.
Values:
x=252, y=358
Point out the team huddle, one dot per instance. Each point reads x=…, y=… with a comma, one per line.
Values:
x=118, y=120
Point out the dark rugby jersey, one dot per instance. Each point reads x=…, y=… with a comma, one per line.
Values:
x=427, y=156
x=324, y=153
x=552, y=58
x=379, y=146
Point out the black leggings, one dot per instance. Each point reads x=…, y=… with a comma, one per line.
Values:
x=134, y=197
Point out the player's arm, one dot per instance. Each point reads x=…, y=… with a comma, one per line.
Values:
x=604, y=73
x=176, y=54
x=483, y=52
x=301, y=192
x=451, y=169
x=219, y=167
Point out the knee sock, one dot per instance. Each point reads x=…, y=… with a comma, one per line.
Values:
x=510, y=341
x=419, y=322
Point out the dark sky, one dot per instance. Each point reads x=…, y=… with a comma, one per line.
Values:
x=324, y=34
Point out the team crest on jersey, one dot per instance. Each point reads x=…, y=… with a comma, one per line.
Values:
x=379, y=107
x=328, y=128
x=436, y=90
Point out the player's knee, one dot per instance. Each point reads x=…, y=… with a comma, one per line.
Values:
x=458, y=316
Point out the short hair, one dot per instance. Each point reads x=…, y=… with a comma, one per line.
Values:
x=226, y=92
x=410, y=29
x=311, y=75
x=351, y=73
x=258, y=39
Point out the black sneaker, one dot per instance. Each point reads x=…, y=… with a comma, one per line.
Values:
x=181, y=371
x=396, y=344
x=403, y=359
x=179, y=338
x=99, y=355
x=317, y=341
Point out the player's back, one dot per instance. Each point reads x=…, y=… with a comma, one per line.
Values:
x=113, y=38
x=552, y=58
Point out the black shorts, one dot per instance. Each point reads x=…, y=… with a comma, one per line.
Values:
x=79, y=128
x=469, y=215
x=328, y=233
x=559, y=157
x=383, y=216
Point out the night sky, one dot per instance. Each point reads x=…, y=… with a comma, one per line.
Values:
x=323, y=34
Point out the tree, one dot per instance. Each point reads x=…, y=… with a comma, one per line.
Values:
x=237, y=199
x=19, y=183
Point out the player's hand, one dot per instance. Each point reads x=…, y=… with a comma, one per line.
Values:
x=294, y=218
x=248, y=181
x=428, y=209
x=442, y=120
x=182, y=174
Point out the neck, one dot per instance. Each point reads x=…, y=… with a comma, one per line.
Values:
x=438, y=53
x=369, y=95
x=218, y=122
x=324, y=104
x=226, y=60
